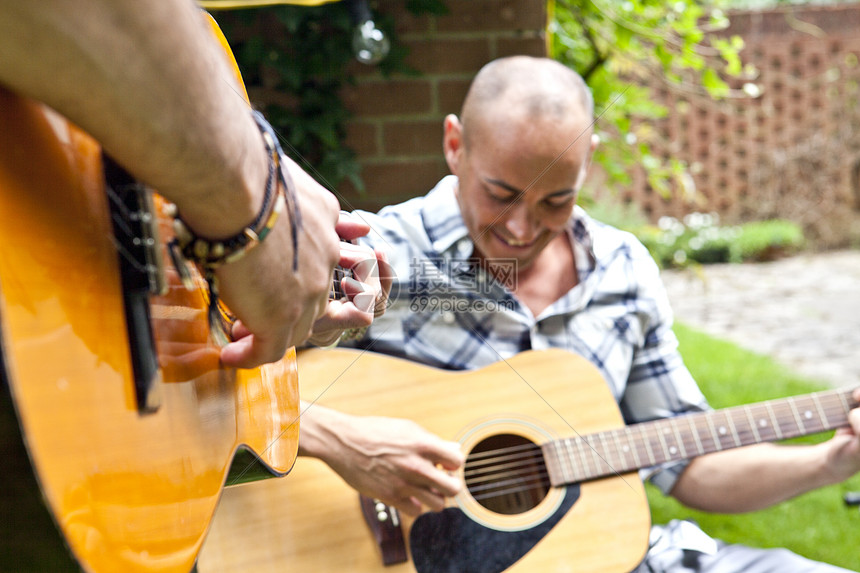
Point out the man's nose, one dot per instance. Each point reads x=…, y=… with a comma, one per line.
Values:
x=521, y=223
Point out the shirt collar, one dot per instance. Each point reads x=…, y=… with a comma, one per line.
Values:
x=442, y=219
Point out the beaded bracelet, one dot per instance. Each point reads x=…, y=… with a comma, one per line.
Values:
x=211, y=254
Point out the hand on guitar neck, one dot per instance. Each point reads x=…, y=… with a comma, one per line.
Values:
x=362, y=282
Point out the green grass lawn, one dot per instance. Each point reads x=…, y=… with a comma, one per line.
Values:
x=818, y=524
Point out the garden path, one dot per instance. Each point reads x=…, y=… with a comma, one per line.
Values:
x=804, y=311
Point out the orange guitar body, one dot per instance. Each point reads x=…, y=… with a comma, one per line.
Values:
x=129, y=489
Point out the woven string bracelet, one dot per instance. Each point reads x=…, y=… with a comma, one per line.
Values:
x=211, y=254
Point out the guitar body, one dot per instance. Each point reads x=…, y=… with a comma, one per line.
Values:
x=314, y=522
x=129, y=488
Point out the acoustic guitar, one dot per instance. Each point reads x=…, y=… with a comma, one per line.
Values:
x=550, y=480
x=131, y=425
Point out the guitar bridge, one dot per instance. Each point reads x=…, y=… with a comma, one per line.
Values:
x=384, y=523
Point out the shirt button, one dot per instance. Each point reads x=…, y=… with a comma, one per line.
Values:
x=448, y=317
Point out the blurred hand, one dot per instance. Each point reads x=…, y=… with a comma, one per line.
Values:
x=365, y=293
x=393, y=460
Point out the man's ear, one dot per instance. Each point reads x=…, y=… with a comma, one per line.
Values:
x=583, y=172
x=452, y=142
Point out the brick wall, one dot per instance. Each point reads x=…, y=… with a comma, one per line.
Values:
x=793, y=152
x=397, y=124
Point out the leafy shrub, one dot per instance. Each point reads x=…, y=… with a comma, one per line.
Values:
x=699, y=238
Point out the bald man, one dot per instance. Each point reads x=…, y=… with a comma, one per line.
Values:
x=498, y=259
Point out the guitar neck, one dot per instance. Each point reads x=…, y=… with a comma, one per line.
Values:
x=582, y=458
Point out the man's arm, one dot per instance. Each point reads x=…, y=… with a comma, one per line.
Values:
x=393, y=460
x=151, y=84
x=755, y=477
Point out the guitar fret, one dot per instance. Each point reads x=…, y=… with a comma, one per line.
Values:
x=634, y=449
x=742, y=429
x=595, y=459
x=752, y=423
x=658, y=429
x=800, y=426
x=731, y=424
x=764, y=427
x=563, y=462
x=821, y=415
x=605, y=452
x=647, y=445
x=683, y=449
x=845, y=403
x=811, y=421
x=620, y=449
x=774, y=420
x=718, y=446
x=583, y=461
x=695, y=431
x=570, y=457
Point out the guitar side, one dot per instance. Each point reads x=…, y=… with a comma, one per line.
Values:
x=314, y=522
x=128, y=490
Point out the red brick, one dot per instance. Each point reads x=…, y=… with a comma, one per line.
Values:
x=439, y=56
x=363, y=138
x=528, y=46
x=379, y=98
x=393, y=182
x=494, y=15
x=405, y=22
x=451, y=94
x=413, y=137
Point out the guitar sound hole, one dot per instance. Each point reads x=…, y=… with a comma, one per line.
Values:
x=506, y=474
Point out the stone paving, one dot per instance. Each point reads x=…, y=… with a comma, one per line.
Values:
x=804, y=311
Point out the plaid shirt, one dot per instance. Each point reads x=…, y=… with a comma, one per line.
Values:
x=447, y=312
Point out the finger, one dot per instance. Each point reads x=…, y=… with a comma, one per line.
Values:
x=360, y=260
x=351, y=287
x=341, y=315
x=385, y=271
x=361, y=295
x=239, y=330
x=854, y=420
x=447, y=485
x=446, y=454
x=408, y=505
x=241, y=353
x=429, y=499
x=349, y=227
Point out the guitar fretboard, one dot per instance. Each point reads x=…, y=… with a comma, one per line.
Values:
x=581, y=458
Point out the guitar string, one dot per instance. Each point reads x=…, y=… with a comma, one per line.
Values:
x=121, y=219
x=496, y=476
x=504, y=463
x=504, y=488
x=653, y=429
x=495, y=481
x=491, y=464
